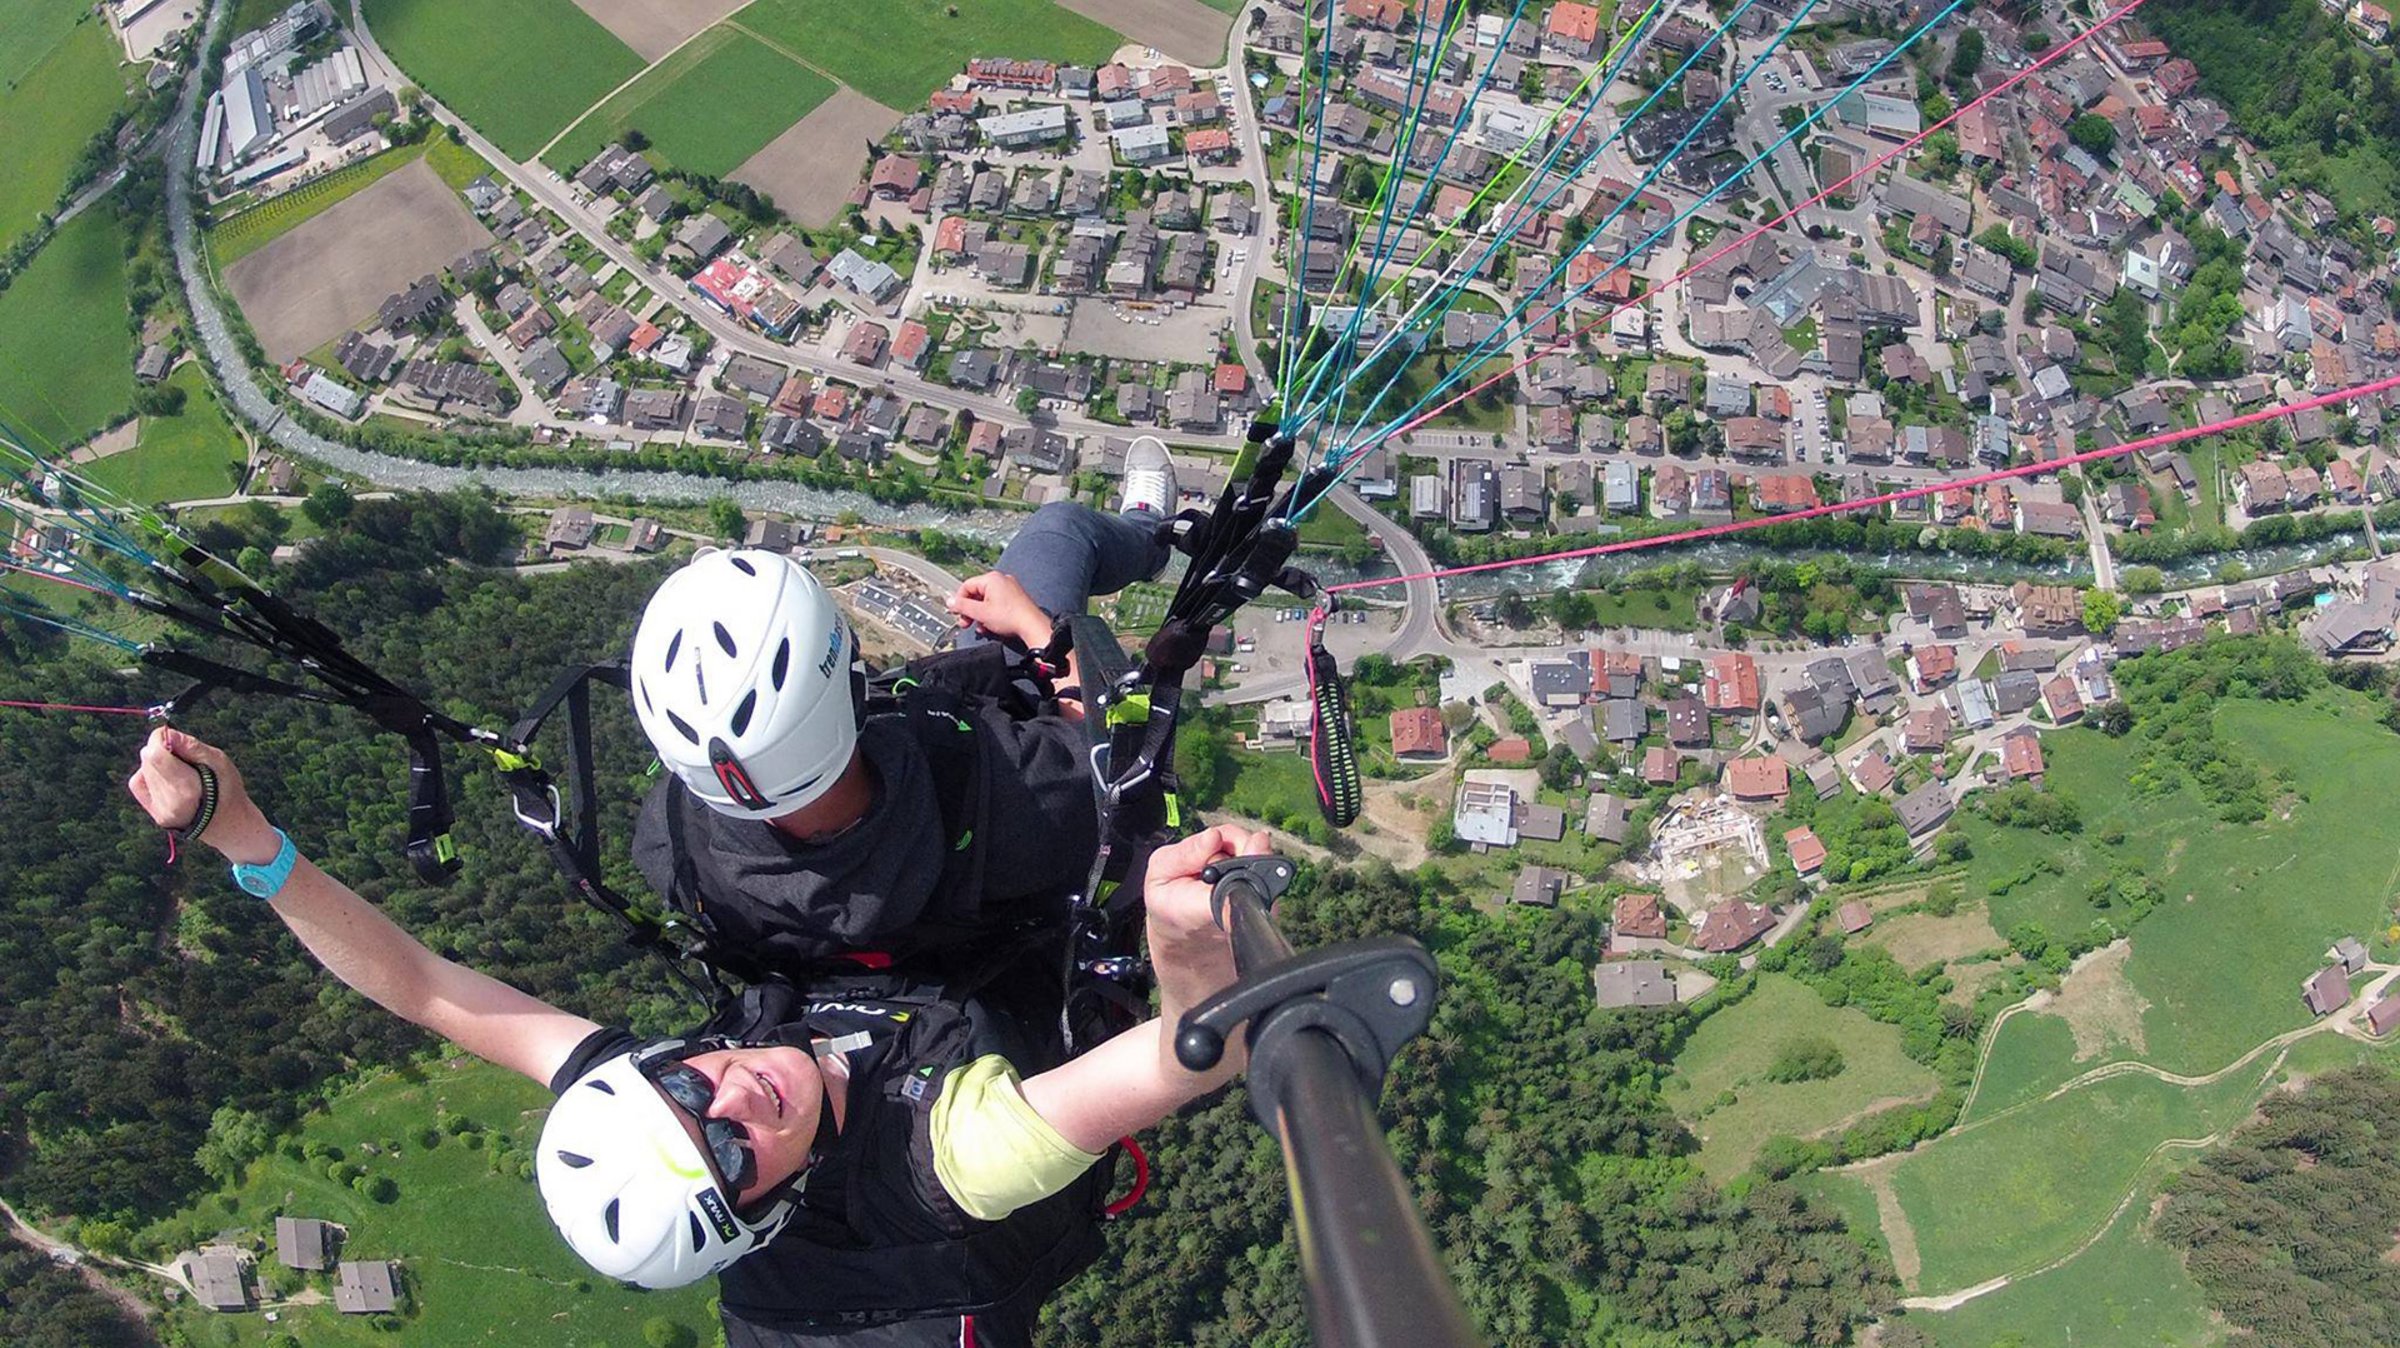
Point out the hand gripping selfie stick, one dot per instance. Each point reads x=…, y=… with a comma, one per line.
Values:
x=1324, y=1028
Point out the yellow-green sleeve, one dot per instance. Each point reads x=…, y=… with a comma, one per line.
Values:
x=992, y=1152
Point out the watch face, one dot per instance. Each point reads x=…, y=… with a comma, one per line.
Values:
x=255, y=883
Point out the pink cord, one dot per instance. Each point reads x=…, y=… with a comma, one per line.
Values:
x=1871, y=502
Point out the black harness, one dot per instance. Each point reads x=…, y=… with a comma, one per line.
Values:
x=874, y=1239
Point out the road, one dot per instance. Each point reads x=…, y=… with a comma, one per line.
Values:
x=2095, y=531
x=1250, y=141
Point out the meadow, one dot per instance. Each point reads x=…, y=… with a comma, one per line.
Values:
x=1732, y=1050
x=899, y=51
x=66, y=354
x=59, y=85
x=480, y=1261
x=238, y=236
x=682, y=105
x=2051, y=1173
x=2280, y=891
x=179, y=458
x=519, y=72
x=2128, y=1290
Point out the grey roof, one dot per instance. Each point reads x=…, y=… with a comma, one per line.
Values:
x=1633, y=983
x=1924, y=809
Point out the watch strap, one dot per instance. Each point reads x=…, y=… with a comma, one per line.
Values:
x=265, y=882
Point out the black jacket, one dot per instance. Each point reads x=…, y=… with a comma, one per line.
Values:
x=956, y=845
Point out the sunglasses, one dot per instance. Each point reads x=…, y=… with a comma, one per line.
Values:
x=728, y=1142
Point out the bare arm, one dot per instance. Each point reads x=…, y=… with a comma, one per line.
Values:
x=1132, y=1081
x=353, y=940
x=997, y=605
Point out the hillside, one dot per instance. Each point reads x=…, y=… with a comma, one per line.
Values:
x=2322, y=104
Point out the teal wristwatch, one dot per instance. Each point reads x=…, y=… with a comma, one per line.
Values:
x=267, y=881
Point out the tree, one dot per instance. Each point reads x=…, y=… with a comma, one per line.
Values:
x=235, y=1138
x=1967, y=57
x=2142, y=580
x=1810, y=1058
x=725, y=518
x=2101, y=610
x=2111, y=718
x=2001, y=240
x=328, y=504
x=2093, y=133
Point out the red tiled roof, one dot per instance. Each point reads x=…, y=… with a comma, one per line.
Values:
x=1808, y=853
x=1573, y=22
x=1514, y=749
x=1759, y=778
x=1660, y=766
x=1731, y=684
x=2021, y=755
x=1640, y=915
x=1730, y=926
x=1419, y=730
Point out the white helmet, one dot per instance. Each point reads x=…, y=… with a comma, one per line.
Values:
x=741, y=678
x=630, y=1190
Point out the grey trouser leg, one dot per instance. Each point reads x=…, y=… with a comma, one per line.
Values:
x=1069, y=552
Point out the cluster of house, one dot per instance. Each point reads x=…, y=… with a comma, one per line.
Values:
x=220, y=1275
x=2328, y=989
x=1795, y=307
x=285, y=101
x=399, y=355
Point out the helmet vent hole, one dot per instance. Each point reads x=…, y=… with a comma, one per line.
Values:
x=742, y=564
x=601, y=1086
x=674, y=648
x=699, y=1233
x=782, y=664
x=725, y=640
x=683, y=728
x=574, y=1161
x=649, y=704
x=608, y=1217
x=741, y=714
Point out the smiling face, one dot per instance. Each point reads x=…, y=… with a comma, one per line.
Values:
x=774, y=1095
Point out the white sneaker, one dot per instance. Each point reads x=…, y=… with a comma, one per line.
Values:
x=1149, y=479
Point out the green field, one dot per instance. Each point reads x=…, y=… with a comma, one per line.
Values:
x=480, y=1262
x=59, y=85
x=2279, y=892
x=2033, y=1054
x=66, y=356
x=178, y=458
x=899, y=51
x=519, y=71
x=2127, y=1291
x=2050, y=1174
x=1271, y=787
x=2207, y=978
x=1732, y=1049
x=709, y=107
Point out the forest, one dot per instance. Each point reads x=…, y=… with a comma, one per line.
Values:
x=2288, y=1227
